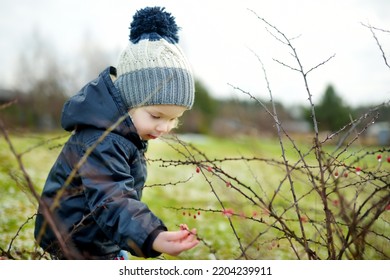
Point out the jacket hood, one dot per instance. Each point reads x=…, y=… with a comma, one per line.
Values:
x=99, y=104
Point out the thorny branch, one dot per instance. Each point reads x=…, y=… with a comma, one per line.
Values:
x=350, y=204
x=372, y=29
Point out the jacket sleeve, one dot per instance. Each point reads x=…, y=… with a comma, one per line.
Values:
x=113, y=200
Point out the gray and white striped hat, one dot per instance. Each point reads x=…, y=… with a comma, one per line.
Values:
x=153, y=69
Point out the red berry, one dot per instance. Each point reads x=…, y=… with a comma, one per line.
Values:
x=197, y=169
x=303, y=219
x=228, y=184
x=379, y=157
x=345, y=174
x=358, y=169
x=388, y=207
x=209, y=169
x=198, y=213
x=388, y=159
x=336, y=174
x=228, y=212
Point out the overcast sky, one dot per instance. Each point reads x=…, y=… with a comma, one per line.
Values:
x=222, y=40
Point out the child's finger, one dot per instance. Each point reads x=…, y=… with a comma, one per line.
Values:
x=183, y=227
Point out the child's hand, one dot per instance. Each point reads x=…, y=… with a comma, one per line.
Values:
x=175, y=242
x=184, y=227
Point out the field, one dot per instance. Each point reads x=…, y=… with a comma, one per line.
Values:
x=236, y=192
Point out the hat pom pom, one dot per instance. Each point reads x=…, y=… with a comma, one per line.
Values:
x=153, y=20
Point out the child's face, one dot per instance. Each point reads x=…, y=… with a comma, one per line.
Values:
x=154, y=121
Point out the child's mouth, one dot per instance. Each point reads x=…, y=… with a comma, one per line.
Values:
x=152, y=137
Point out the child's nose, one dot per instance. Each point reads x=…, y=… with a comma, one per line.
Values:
x=163, y=127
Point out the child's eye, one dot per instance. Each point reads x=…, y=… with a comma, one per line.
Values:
x=154, y=116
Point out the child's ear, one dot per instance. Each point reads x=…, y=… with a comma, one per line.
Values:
x=177, y=123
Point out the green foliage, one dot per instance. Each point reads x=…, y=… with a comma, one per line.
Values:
x=201, y=116
x=181, y=193
x=331, y=112
x=204, y=103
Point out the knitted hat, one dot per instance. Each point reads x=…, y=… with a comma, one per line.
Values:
x=153, y=70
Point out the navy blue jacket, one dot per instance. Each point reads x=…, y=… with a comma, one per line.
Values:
x=100, y=211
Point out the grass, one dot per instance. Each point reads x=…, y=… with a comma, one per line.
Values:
x=17, y=204
x=178, y=194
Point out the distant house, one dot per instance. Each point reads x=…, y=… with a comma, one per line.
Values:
x=296, y=126
x=380, y=132
x=7, y=95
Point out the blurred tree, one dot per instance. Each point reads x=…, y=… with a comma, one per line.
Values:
x=90, y=60
x=40, y=83
x=331, y=112
x=44, y=79
x=200, y=118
